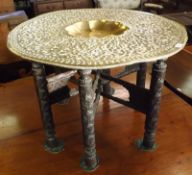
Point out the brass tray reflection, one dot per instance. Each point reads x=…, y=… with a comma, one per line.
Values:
x=96, y=28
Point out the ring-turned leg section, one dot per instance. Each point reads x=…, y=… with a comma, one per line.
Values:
x=107, y=89
x=157, y=81
x=141, y=75
x=52, y=144
x=89, y=161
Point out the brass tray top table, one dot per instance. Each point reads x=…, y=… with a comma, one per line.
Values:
x=98, y=39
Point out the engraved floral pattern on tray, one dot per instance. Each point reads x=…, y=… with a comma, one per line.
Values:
x=149, y=38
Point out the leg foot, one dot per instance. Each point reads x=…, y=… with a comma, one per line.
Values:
x=139, y=145
x=54, y=147
x=89, y=168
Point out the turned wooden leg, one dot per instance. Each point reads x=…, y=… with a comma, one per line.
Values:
x=107, y=89
x=89, y=161
x=52, y=144
x=157, y=81
x=141, y=75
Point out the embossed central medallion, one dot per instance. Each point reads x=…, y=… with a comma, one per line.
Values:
x=96, y=28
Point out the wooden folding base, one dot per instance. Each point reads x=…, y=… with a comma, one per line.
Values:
x=141, y=99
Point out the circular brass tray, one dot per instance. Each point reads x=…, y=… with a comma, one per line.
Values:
x=97, y=38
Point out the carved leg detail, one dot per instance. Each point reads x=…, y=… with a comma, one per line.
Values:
x=52, y=144
x=89, y=161
x=141, y=75
x=107, y=89
x=157, y=81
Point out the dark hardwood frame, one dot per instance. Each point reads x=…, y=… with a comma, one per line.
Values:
x=144, y=100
